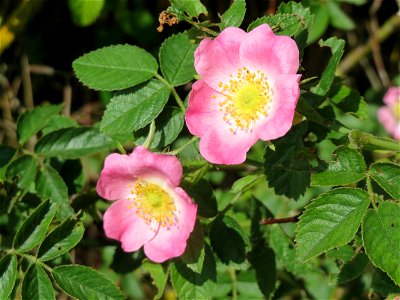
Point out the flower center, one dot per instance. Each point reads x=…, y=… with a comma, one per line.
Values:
x=396, y=111
x=247, y=98
x=153, y=204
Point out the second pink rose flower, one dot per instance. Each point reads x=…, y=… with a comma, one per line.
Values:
x=248, y=91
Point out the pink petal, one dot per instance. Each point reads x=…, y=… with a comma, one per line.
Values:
x=216, y=59
x=121, y=223
x=392, y=96
x=169, y=243
x=147, y=164
x=115, y=178
x=286, y=94
x=202, y=108
x=388, y=121
x=262, y=50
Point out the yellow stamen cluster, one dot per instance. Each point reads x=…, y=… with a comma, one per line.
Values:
x=247, y=98
x=153, y=204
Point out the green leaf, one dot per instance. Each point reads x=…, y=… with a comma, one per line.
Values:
x=192, y=7
x=380, y=231
x=73, y=142
x=247, y=285
x=115, y=67
x=63, y=238
x=345, y=98
x=338, y=18
x=352, y=269
x=50, y=185
x=31, y=122
x=321, y=21
x=177, y=59
x=8, y=275
x=194, y=285
x=24, y=168
x=168, y=126
x=85, y=283
x=234, y=15
x=6, y=155
x=329, y=221
x=58, y=122
x=133, y=109
x=244, y=183
x=281, y=24
x=348, y=167
x=85, y=12
x=337, y=48
x=387, y=175
x=194, y=253
x=34, y=228
x=202, y=193
x=228, y=240
x=158, y=275
x=263, y=261
x=383, y=284
x=36, y=284
x=287, y=168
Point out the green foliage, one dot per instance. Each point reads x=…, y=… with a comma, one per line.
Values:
x=329, y=221
x=191, y=7
x=85, y=12
x=349, y=167
x=176, y=59
x=8, y=275
x=85, y=283
x=380, y=230
x=353, y=268
x=24, y=169
x=338, y=18
x=32, y=121
x=158, y=275
x=73, y=143
x=34, y=228
x=36, y=284
x=115, y=67
x=133, y=109
x=234, y=15
x=387, y=175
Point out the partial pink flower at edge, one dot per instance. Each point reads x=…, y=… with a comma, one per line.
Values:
x=248, y=91
x=150, y=209
x=389, y=115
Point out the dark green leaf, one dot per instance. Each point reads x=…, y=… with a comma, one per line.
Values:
x=348, y=167
x=380, y=230
x=158, y=275
x=24, y=168
x=194, y=253
x=177, y=60
x=338, y=18
x=352, y=269
x=85, y=12
x=36, y=284
x=168, y=126
x=34, y=228
x=247, y=285
x=192, y=7
x=234, y=15
x=287, y=168
x=133, y=109
x=85, y=283
x=337, y=48
x=115, y=67
x=193, y=285
x=321, y=21
x=58, y=122
x=383, y=284
x=73, y=142
x=263, y=261
x=387, y=175
x=202, y=193
x=331, y=220
x=6, y=155
x=281, y=24
x=228, y=240
x=63, y=238
x=345, y=98
x=50, y=185
x=8, y=275
x=32, y=121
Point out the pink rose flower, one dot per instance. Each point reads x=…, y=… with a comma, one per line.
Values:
x=389, y=115
x=150, y=209
x=248, y=91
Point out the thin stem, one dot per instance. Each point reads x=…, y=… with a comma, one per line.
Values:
x=150, y=136
x=173, y=91
x=370, y=191
x=202, y=28
x=232, y=275
x=177, y=151
x=121, y=148
x=367, y=141
x=293, y=219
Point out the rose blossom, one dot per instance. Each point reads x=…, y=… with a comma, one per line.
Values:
x=248, y=91
x=150, y=209
x=389, y=115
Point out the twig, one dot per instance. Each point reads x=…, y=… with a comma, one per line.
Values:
x=351, y=59
x=280, y=220
x=67, y=98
